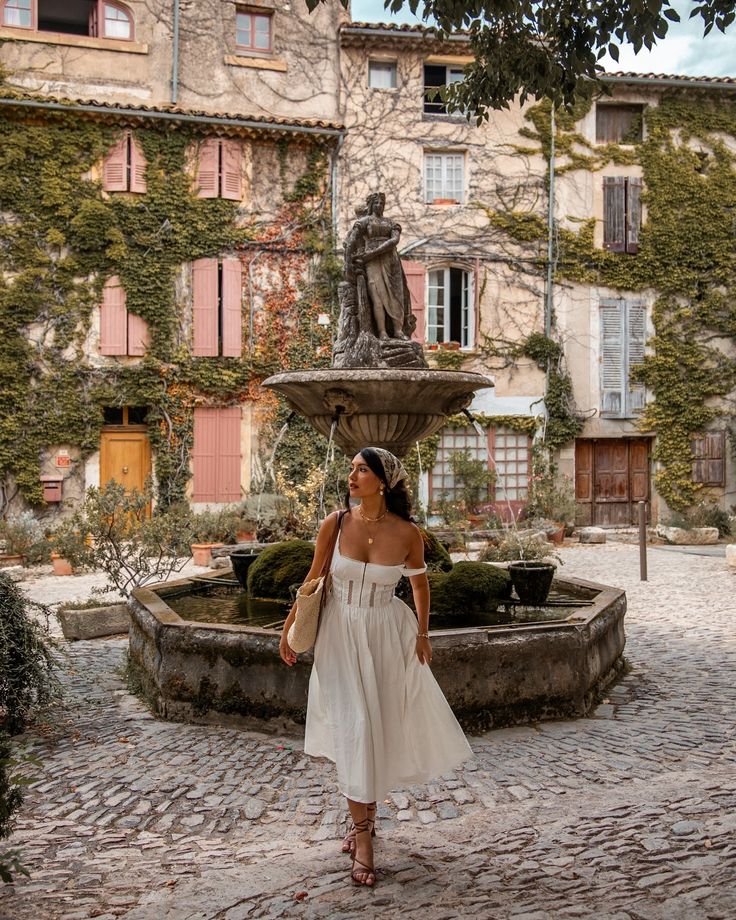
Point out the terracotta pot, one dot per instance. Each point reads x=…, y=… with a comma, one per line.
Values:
x=245, y=536
x=61, y=565
x=444, y=201
x=557, y=536
x=202, y=552
x=8, y=559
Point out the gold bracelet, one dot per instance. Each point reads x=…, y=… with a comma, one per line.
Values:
x=423, y=635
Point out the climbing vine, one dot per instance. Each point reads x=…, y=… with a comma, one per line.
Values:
x=61, y=237
x=686, y=255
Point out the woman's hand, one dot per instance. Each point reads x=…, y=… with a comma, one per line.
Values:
x=288, y=655
x=424, y=650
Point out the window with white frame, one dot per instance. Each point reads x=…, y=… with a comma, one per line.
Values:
x=511, y=452
x=435, y=77
x=253, y=31
x=18, y=14
x=450, y=306
x=444, y=177
x=454, y=438
x=623, y=340
x=382, y=74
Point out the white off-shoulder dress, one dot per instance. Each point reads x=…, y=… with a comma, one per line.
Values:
x=373, y=709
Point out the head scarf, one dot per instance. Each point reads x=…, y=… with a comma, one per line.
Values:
x=393, y=468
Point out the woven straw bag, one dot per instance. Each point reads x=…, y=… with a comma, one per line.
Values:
x=310, y=599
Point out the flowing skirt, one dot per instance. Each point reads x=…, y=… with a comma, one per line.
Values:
x=373, y=709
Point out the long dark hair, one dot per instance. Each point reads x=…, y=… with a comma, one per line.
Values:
x=398, y=500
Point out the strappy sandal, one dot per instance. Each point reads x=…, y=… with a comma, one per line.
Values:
x=348, y=841
x=361, y=872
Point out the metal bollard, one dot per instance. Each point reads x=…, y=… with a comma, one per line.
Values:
x=642, y=541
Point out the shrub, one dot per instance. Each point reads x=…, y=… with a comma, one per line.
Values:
x=24, y=535
x=473, y=477
x=279, y=567
x=27, y=662
x=10, y=801
x=435, y=555
x=471, y=587
x=519, y=546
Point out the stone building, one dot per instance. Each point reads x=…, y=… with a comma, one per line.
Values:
x=290, y=120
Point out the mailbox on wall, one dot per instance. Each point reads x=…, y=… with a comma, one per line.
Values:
x=52, y=488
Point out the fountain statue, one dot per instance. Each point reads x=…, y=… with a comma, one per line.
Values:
x=379, y=389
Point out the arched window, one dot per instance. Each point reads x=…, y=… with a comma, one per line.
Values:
x=117, y=22
x=97, y=18
x=450, y=306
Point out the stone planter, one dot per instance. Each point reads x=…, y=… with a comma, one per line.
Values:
x=93, y=622
x=695, y=536
x=61, y=565
x=731, y=555
x=532, y=580
x=8, y=559
x=202, y=552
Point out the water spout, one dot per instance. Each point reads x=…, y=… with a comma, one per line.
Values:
x=329, y=457
x=269, y=463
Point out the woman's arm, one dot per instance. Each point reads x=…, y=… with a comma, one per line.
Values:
x=324, y=540
x=420, y=590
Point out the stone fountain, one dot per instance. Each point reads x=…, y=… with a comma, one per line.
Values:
x=379, y=390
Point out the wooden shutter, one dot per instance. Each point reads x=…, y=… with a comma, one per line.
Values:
x=709, y=458
x=612, y=365
x=635, y=343
x=204, y=456
x=115, y=167
x=137, y=167
x=415, y=273
x=232, y=169
x=208, y=168
x=204, y=308
x=633, y=214
x=113, y=319
x=614, y=213
x=584, y=471
x=228, y=454
x=139, y=336
x=232, y=308
x=639, y=469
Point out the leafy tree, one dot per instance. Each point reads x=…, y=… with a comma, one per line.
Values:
x=547, y=48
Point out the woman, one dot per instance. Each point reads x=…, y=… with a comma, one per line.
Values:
x=374, y=707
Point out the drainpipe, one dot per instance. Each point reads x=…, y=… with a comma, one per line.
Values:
x=550, y=228
x=175, y=57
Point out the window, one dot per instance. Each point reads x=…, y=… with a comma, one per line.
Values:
x=621, y=213
x=18, y=14
x=124, y=168
x=511, y=452
x=444, y=177
x=216, y=455
x=623, y=336
x=435, y=77
x=709, y=453
x=450, y=307
x=217, y=308
x=253, y=31
x=618, y=124
x=121, y=332
x=125, y=415
x=219, y=169
x=382, y=74
x=442, y=483
x=96, y=18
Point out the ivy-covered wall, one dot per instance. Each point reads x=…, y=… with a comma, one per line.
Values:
x=61, y=237
x=685, y=261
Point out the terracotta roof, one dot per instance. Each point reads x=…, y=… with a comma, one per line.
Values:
x=354, y=32
x=176, y=114
x=630, y=77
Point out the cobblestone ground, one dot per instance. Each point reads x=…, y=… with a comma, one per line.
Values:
x=629, y=814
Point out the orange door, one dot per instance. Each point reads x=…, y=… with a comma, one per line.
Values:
x=125, y=457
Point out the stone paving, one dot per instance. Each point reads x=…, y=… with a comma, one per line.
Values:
x=629, y=815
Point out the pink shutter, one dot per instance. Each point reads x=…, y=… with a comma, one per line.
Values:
x=208, y=168
x=204, y=456
x=113, y=319
x=204, y=308
x=232, y=170
x=232, y=308
x=115, y=167
x=139, y=335
x=414, y=272
x=137, y=167
x=228, y=455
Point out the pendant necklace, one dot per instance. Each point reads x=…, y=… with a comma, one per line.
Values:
x=375, y=520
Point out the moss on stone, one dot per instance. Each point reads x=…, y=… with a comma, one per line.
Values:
x=279, y=567
x=470, y=587
x=435, y=555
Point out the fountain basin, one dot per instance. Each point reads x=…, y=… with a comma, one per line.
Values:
x=491, y=675
x=391, y=408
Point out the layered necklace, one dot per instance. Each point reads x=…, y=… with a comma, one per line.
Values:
x=369, y=520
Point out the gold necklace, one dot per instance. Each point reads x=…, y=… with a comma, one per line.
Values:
x=372, y=521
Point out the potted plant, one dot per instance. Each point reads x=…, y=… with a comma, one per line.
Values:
x=529, y=564
x=474, y=479
x=21, y=533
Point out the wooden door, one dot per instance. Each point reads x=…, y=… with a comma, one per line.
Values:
x=125, y=456
x=611, y=476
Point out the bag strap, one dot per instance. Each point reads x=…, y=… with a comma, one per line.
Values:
x=333, y=543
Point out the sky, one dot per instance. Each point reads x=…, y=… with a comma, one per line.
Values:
x=683, y=51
